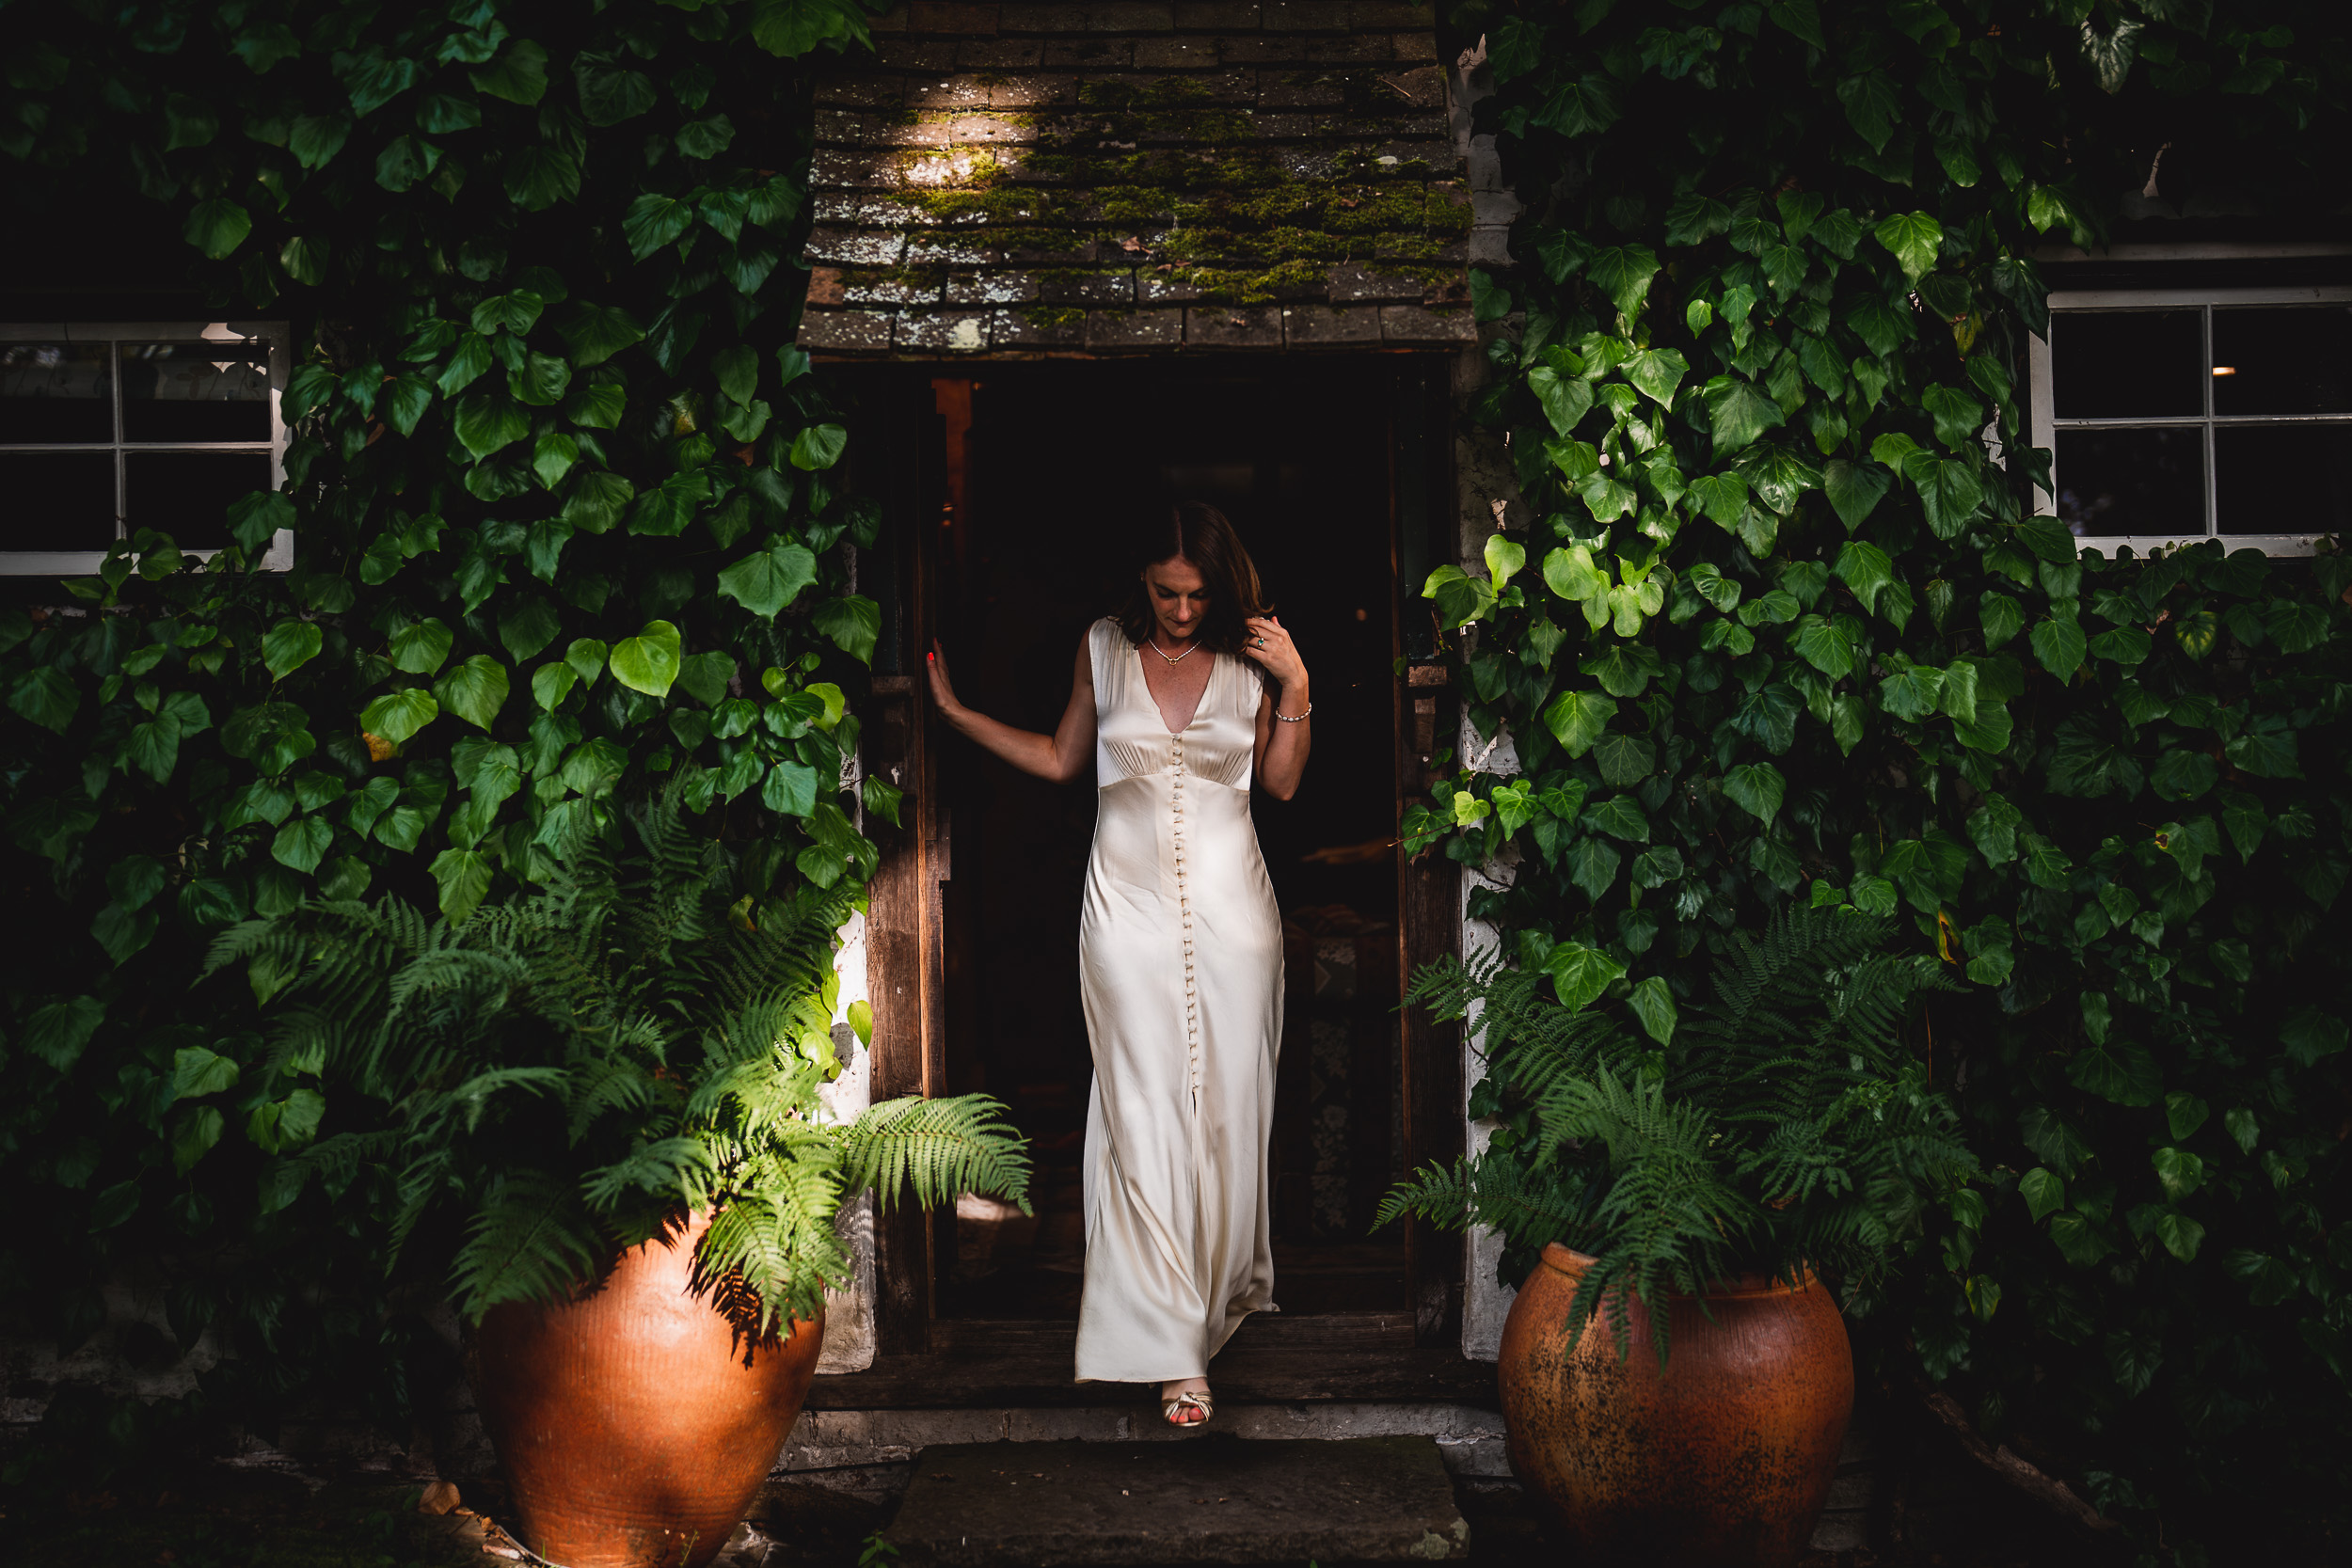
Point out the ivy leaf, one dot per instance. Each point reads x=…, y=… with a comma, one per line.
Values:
x=2181, y=1235
x=420, y=646
x=2059, y=643
x=1854, y=489
x=768, y=581
x=551, y=683
x=609, y=92
x=487, y=421
x=705, y=138
x=1825, y=646
x=314, y=139
x=2311, y=1037
x=2043, y=1190
x=652, y=221
x=58, y=1032
x=1571, y=572
x=527, y=624
x=301, y=843
x=1757, y=787
x=475, y=690
x=2182, y=775
x=2002, y=617
x=1914, y=237
x=2122, y=1073
x=1565, y=400
x=1579, y=974
x=648, y=661
x=519, y=74
x=1992, y=828
x=1623, y=273
x=1723, y=498
x=2183, y=1113
x=538, y=176
x=463, y=879
x=289, y=646
x=1578, y=718
x=1656, y=372
x=1624, y=669
x=594, y=333
x=1623, y=760
x=1654, y=1004
x=1619, y=816
x=1872, y=107
x=1740, y=412
x=217, y=227
x=790, y=28
x=818, y=447
x=853, y=623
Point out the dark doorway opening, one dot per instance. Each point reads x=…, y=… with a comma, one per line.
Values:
x=1302, y=456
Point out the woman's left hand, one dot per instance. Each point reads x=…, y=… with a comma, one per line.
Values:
x=1271, y=646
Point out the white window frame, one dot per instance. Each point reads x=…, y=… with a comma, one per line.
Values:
x=2047, y=424
x=275, y=335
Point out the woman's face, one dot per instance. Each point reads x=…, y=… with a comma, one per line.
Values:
x=1179, y=597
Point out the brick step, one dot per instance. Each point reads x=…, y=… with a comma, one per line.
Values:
x=1213, y=1498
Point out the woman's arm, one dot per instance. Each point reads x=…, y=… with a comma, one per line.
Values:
x=1060, y=756
x=1282, y=747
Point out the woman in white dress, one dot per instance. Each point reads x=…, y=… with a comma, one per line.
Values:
x=1176, y=704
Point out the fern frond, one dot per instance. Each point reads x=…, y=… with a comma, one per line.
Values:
x=530, y=1239
x=939, y=1148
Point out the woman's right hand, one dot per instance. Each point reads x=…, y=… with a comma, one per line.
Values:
x=943, y=688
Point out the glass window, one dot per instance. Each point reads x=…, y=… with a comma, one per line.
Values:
x=109, y=429
x=2184, y=416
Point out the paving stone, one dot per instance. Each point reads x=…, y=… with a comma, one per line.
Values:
x=1209, y=1499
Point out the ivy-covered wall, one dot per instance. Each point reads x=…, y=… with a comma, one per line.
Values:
x=565, y=529
x=1770, y=618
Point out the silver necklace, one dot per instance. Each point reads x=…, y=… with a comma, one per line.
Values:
x=1173, y=658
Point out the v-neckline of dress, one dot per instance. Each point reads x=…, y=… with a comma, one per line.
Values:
x=1143, y=673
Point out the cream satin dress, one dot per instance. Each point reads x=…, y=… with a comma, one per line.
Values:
x=1180, y=959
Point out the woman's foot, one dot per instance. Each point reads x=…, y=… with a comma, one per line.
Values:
x=1185, y=1401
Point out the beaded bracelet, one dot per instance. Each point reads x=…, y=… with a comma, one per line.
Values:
x=1295, y=718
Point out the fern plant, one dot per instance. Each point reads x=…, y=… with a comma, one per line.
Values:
x=565, y=1074
x=1780, y=1125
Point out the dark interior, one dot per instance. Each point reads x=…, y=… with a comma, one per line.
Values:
x=1300, y=459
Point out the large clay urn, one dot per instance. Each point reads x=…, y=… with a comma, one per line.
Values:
x=635, y=1425
x=1721, y=1461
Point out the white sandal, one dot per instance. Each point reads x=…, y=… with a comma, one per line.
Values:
x=1191, y=1399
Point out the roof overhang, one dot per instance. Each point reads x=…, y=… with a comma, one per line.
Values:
x=1043, y=180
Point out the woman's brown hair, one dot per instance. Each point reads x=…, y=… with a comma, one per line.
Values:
x=1201, y=535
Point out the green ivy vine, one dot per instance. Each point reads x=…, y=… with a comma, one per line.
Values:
x=1778, y=623
x=566, y=523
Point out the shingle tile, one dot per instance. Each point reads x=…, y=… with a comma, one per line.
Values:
x=1234, y=326
x=1416, y=323
x=1133, y=330
x=1317, y=325
x=846, y=331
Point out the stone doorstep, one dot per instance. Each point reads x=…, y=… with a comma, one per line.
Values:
x=1213, y=1498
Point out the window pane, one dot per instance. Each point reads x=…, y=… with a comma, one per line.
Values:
x=2282, y=478
x=2283, y=361
x=58, y=500
x=2126, y=364
x=55, y=392
x=187, y=493
x=2119, y=481
x=195, y=392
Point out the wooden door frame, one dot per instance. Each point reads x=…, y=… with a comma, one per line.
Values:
x=910, y=426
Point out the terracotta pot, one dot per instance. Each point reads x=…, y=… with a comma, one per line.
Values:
x=635, y=1426
x=1722, y=1461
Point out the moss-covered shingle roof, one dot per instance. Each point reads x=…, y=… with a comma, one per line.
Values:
x=1129, y=178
